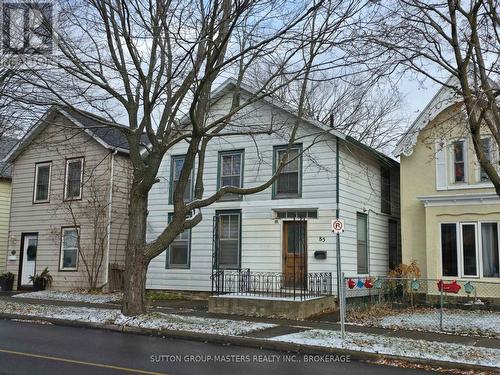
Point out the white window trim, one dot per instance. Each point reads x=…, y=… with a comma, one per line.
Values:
x=35, y=187
x=461, y=250
x=479, y=249
x=480, y=241
x=494, y=157
x=451, y=165
x=61, y=250
x=66, y=175
x=457, y=234
x=475, y=173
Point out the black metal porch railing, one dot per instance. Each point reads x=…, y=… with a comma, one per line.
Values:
x=271, y=284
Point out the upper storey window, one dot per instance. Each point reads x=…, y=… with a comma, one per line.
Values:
x=459, y=160
x=41, y=190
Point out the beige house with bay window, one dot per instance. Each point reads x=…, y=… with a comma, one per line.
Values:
x=69, y=208
x=450, y=213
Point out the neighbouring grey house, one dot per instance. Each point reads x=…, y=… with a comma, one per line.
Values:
x=70, y=180
x=284, y=232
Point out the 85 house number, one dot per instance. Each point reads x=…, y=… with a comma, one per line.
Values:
x=322, y=239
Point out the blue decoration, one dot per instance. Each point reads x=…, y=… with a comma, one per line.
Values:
x=377, y=284
x=415, y=285
x=360, y=284
x=468, y=287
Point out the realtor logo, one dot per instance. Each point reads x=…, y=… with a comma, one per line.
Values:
x=27, y=27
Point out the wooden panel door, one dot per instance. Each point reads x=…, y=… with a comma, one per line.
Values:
x=294, y=253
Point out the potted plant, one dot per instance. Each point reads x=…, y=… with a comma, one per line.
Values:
x=41, y=281
x=6, y=281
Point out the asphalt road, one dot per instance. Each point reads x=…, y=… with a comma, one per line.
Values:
x=36, y=349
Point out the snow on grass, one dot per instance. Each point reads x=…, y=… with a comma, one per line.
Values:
x=151, y=320
x=404, y=347
x=82, y=314
x=484, y=323
x=192, y=323
x=55, y=295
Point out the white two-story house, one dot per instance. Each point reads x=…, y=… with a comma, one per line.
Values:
x=285, y=229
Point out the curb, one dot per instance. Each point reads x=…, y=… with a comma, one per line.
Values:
x=245, y=341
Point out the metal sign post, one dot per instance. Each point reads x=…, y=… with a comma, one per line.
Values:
x=342, y=308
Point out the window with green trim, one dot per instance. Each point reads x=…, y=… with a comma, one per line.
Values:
x=362, y=243
x=229, y=233
x=179, y=251
x=231, y=171
x=176, y=168
x=289, y=182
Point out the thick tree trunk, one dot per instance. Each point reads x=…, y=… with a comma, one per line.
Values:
x=136, y=263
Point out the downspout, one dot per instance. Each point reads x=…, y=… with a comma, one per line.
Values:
x=110, y=200
x=340, y=276
x=337, y=212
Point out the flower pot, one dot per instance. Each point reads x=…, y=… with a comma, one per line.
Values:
x=7, y=285
x=40, y=284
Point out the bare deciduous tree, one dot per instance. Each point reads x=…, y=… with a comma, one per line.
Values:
x=154, y=66
x=439, y=39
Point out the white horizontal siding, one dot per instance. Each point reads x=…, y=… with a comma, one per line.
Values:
x=261, y=235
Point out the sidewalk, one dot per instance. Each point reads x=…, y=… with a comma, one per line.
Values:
x=190, y=319
x=198, y=308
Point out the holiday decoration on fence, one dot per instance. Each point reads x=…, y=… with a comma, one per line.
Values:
x=452, y=287
x=468, y=287
x=368, y=283
x=378, y=284
x=415, y=284
x=360, y=283
x=351, y=284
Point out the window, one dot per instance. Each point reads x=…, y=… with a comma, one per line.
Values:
x=284, y=213
x=288, y=183
x=486, y=144
x=230, y=171
x=229, y=239
x=177, y=163
x=459, y=161
x=41, y=191
x=469, y=250
x=362, y=242
x=462, y=245
x=74, y=176
x=385, y=176
x=394, y=244
x=449, y=258
x=179, y=251
x=489, y=242
x=69, y=249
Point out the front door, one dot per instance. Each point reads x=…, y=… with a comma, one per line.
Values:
x=294, y=253
x=30, y=245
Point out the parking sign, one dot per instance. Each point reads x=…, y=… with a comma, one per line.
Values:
x=337, y=226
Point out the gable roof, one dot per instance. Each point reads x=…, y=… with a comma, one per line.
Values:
x=6, y=144
x=443, y=99
x=230, y=83
x=106, y=133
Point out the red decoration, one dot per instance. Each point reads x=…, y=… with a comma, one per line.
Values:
x=368, y=283
x=452, y=287
x=351, y=284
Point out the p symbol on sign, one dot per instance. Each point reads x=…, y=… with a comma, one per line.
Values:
x=337, y=226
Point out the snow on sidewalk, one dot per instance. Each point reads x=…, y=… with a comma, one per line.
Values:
x=54, y=295
x=152, y=320
x=403, y=347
